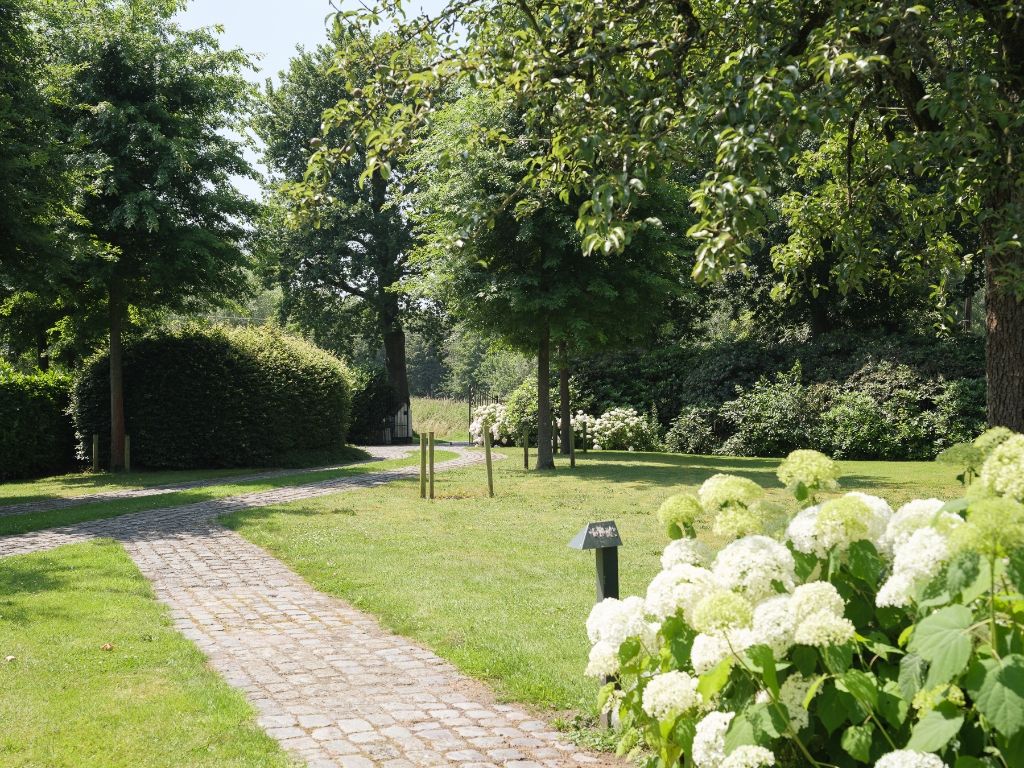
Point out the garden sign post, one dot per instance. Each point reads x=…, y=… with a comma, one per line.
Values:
x=604, y=539
x=430, y=451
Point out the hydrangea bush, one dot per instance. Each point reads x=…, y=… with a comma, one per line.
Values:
x=840, y=632
x=624, y=429
x=493, y=418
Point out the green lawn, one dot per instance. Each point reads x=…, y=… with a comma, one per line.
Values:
x=149, y=701
x=447, y=419
x=81, y=483
x=37, y=520
x=490, y=583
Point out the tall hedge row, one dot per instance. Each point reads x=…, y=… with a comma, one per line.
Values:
x=220, y=397
x=36, y=437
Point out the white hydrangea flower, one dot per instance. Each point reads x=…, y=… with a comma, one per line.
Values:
x=1002, y=473
x=678, y=588
x=753, y=565
x=774, y=625
x=709, y=651
x=685, y=552
x=917, y=560
x=709, y=739
x=603, y=661
x=812, y=468
x=897, y=592
x=748, y=756
x=802, y=531
x=817, y=610
x=919, y=513
x=823, y=629
x=908, y=758
x=839, y=522
x=612, y=621
x=670, y=694
x=721, y=490
x=791, y=695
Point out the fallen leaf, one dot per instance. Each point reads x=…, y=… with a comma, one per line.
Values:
x=107, y=647
x=9, y=658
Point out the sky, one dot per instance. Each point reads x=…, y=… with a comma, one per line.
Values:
x=272, y=29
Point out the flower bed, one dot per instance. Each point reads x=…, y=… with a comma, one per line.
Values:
x=844, y=634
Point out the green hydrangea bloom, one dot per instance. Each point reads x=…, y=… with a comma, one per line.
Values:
x=721, y=611
x=994, y=527
x=815, y=470
x=682, y=509
x=720, y=491
x=1002, y=474
x=843, y=521
x=991, y=439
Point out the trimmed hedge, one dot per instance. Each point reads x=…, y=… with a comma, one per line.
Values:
x=220, y=397
x=36, y=437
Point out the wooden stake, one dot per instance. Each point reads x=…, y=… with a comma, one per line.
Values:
x=572, y=449
x=95, y=453
x=430, y=457
x=526, y=449
x=423, y=466
x=584, y=437
x=127, y=453
x=490, y=469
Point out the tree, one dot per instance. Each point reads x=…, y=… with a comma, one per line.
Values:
x=151, y=105
x=507, y=257
x=886, y=134
x=352, y=242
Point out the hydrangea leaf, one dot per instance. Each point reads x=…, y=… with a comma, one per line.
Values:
x=861, y=685
x=935, y=730
x=892, y=705
x=997, y=687
x=962, y=571
x=1015, y=569
x=942, y=640
x=864, y=562
x=764, y=662
x=837, y=658
x=710, y=683
x=857, y=740
x=912, y=672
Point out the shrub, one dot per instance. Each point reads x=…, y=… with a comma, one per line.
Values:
x=773, y=417
x=692, y=431
x=854, y=636
x=623, y=429
x=371, y=401
x=36, y=437
x=220, y=398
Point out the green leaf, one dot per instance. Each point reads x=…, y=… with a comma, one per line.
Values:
x=1015, y=569
x=861, y=685
x=674, y=531
x=857, y=741
x=892, y=705
x=997, y=687
x=864, y=562
x=800, y=492
x=741, y=732
x=935, y=730
x=962, y=571
x=837, y=658
x=769, y=721
x=805, y=659
x=764, y=662
x=912, y=672
x=711, y=682
x=942, y=640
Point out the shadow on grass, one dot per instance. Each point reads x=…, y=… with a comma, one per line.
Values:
x=666, y=470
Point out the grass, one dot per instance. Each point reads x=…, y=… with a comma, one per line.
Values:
x=81, y=483
x=34, y=521
x=149, y=701
x=490, y=583
x=447, y=419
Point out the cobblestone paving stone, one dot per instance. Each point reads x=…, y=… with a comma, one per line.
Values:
x=377, y=453
x=328, y=682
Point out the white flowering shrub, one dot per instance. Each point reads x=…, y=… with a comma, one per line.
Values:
x=835, y=632
x=623, y=429
x=495, y=419
x=583, y=428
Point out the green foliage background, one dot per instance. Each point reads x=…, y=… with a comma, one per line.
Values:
x=35, y=433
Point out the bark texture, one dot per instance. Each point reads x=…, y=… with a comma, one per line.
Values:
x=1004, y=353
x=117, y=310
x=545, y=457
x=564, y=406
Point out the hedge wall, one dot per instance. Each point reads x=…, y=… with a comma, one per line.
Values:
x=220, y=397
x=36, y=437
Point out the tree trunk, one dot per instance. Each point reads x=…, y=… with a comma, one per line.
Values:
x=545, y=459
x=1004, y=353
x=564, y=406
x=968, y=311
x=116, y=306
x=395, y=365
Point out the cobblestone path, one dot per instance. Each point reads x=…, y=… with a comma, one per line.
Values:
x=329, y=683
x=377, y=453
